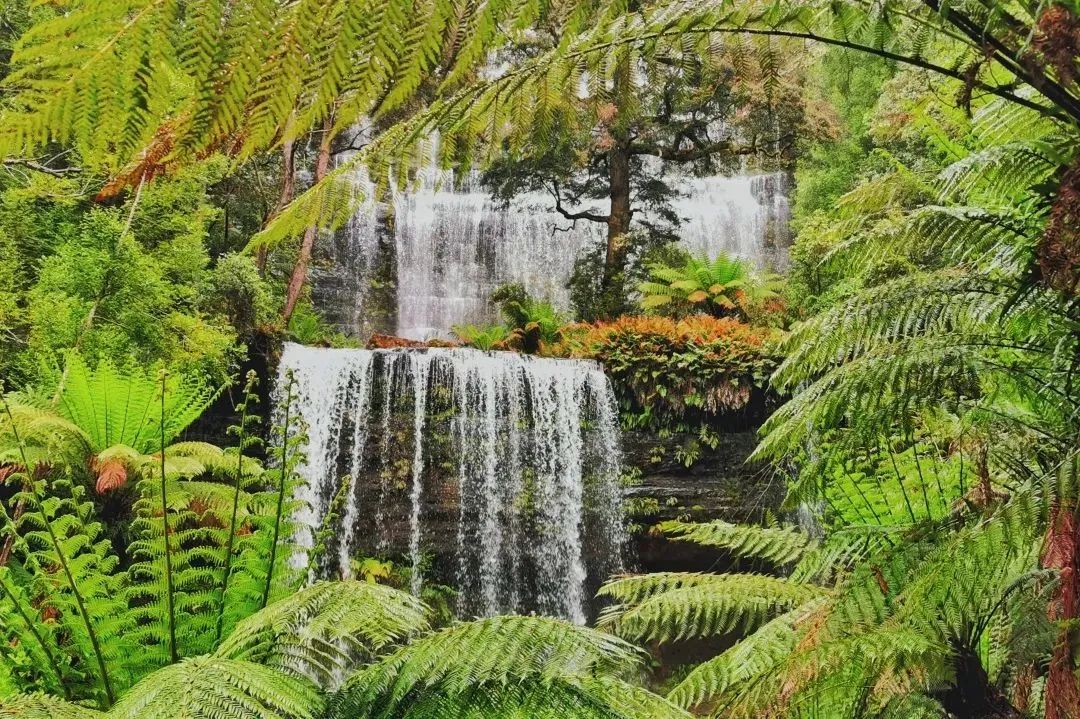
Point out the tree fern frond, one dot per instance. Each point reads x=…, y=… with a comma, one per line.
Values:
x=219, y=688
x=43, y=706
x=1001, y=174
x=751, y=658
x=589, y=698
x=322, y=630
x=776, y=544
x=709, y=606
x=501, y=650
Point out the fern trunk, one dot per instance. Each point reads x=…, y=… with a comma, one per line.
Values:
x=299, y=273
x=1062, y=552
x=972, y=694
x=174, y=655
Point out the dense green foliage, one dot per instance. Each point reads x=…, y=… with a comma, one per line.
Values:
x=932, y=428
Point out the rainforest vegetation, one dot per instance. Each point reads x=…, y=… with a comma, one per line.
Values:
x=171, y=166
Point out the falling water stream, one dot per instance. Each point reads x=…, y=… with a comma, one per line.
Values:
x=503, y=467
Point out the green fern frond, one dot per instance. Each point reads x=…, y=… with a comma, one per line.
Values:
x=43, y=706
x=123, y=406
x=45, y=438
x=589, y=698
x=321, y=631
x=508, y=659
x=750, y=659
x=775, y=544
x=500, y=651
x=709, y=605
x=219, y=688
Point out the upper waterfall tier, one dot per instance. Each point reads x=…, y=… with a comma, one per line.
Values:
x=437, y=262
x=502, y=468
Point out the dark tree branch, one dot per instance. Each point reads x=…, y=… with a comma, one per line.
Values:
x=583, y=215
x=38, y=167
x=1057, y=110
x=1009, y=58
x=701, y=151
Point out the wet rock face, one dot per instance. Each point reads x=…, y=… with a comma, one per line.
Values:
x=501, y=469
x=720, y=484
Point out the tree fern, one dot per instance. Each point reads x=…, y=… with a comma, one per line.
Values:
x=124, y=407
x=57, y=531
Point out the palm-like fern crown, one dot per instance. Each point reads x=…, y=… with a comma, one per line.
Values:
x=116, y=407
x=721, y=286
x=210, y=543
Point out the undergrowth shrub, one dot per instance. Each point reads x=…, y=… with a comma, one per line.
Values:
x=677, y=375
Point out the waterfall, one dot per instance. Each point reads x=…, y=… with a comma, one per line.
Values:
x=455, y=247
x=503, y=468
x=745, y=215
x=446, y=250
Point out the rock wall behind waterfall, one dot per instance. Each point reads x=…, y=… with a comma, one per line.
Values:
x=432, y=260
x=502, y=468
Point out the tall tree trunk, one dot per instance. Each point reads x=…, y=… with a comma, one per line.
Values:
x=620, y=214
x=619, y=180
x=288, y=189
x=299, y=273
x=1062, y=552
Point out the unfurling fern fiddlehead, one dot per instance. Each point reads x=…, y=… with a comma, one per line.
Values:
x=285, y=463
x=328, y=528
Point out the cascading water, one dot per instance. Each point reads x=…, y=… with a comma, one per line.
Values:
x=455, y=247
x=745, y=215
x=436, y=264
x=505, y=467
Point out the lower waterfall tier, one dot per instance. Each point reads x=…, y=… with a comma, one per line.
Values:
x=511, y=460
